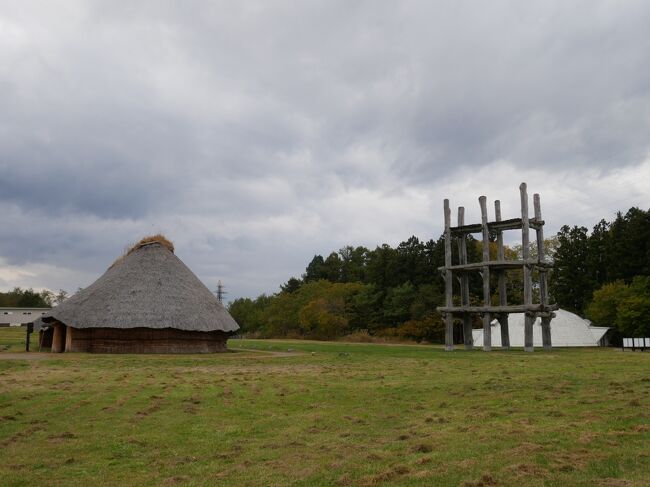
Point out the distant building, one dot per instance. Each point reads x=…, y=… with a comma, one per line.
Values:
x=20, y=316
x=148, y=301
x=567, y=330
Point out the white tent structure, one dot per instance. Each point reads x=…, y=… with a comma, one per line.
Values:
x=567, y=330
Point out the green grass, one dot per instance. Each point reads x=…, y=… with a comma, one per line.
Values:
x=333, y=414
x=12, y=339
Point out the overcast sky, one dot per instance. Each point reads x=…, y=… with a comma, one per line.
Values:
x=257, y=134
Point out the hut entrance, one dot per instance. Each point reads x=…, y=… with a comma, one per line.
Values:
x=58, y=338
x=45, y=338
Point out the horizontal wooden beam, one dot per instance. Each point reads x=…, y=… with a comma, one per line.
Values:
x=514, y=308
x=512, y=224
x=497, y=265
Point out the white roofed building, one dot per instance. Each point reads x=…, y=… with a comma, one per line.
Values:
x=567, y=330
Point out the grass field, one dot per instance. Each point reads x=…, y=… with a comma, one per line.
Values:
x=13, y=339
x=325, y=414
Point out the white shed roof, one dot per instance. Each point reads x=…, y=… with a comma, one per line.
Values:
x=598, y=331
x=567, y=330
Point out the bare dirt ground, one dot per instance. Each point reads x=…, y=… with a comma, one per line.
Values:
x=26, y=356
x=50, y=356
x=262, y=353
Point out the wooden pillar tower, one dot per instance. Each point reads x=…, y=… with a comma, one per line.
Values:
x=499, y=267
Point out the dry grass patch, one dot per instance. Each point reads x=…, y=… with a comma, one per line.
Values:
x=486, y=480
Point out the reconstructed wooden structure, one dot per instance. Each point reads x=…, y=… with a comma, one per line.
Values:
x=500, y=267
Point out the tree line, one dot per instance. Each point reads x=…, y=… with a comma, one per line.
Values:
x=604, y=275
x=384, y=291
x=391, y=292
x=28, y=298
x=394, y=292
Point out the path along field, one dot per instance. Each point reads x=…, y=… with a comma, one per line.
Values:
x=345, y=414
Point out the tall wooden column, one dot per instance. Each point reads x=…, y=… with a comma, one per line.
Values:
x=503, y=298
x=487, y=316
x=543, y=284
x=449, y=302
x=528, y=282
x=69, y=347
x=464, y=283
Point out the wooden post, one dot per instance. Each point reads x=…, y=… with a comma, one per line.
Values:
x=30, y=328
x=503, y=298
x=449, y=302
x=528, y=284
x=543, y=285
x=487, y=316
x=464, y=283
x=546, y=333
x=68, y=339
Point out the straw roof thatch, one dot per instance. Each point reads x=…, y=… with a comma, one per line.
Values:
x=147, y=287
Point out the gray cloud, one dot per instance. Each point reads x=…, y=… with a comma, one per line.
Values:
x=259, y=134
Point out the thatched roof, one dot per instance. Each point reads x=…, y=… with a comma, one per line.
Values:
x=147, y=287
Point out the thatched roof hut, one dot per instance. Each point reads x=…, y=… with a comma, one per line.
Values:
x=147, y=301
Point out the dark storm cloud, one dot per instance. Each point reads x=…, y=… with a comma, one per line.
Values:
x=259, y=133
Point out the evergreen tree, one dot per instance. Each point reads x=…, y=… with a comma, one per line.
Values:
x=411, y=262
x=599, y=242
x=291, y=286
x=571, y=285
x=382, y=267
x=332, y=267
x=353, y=263
x=628, y=250
x=315, y=270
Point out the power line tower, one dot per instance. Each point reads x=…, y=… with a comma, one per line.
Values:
x=220, y=292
